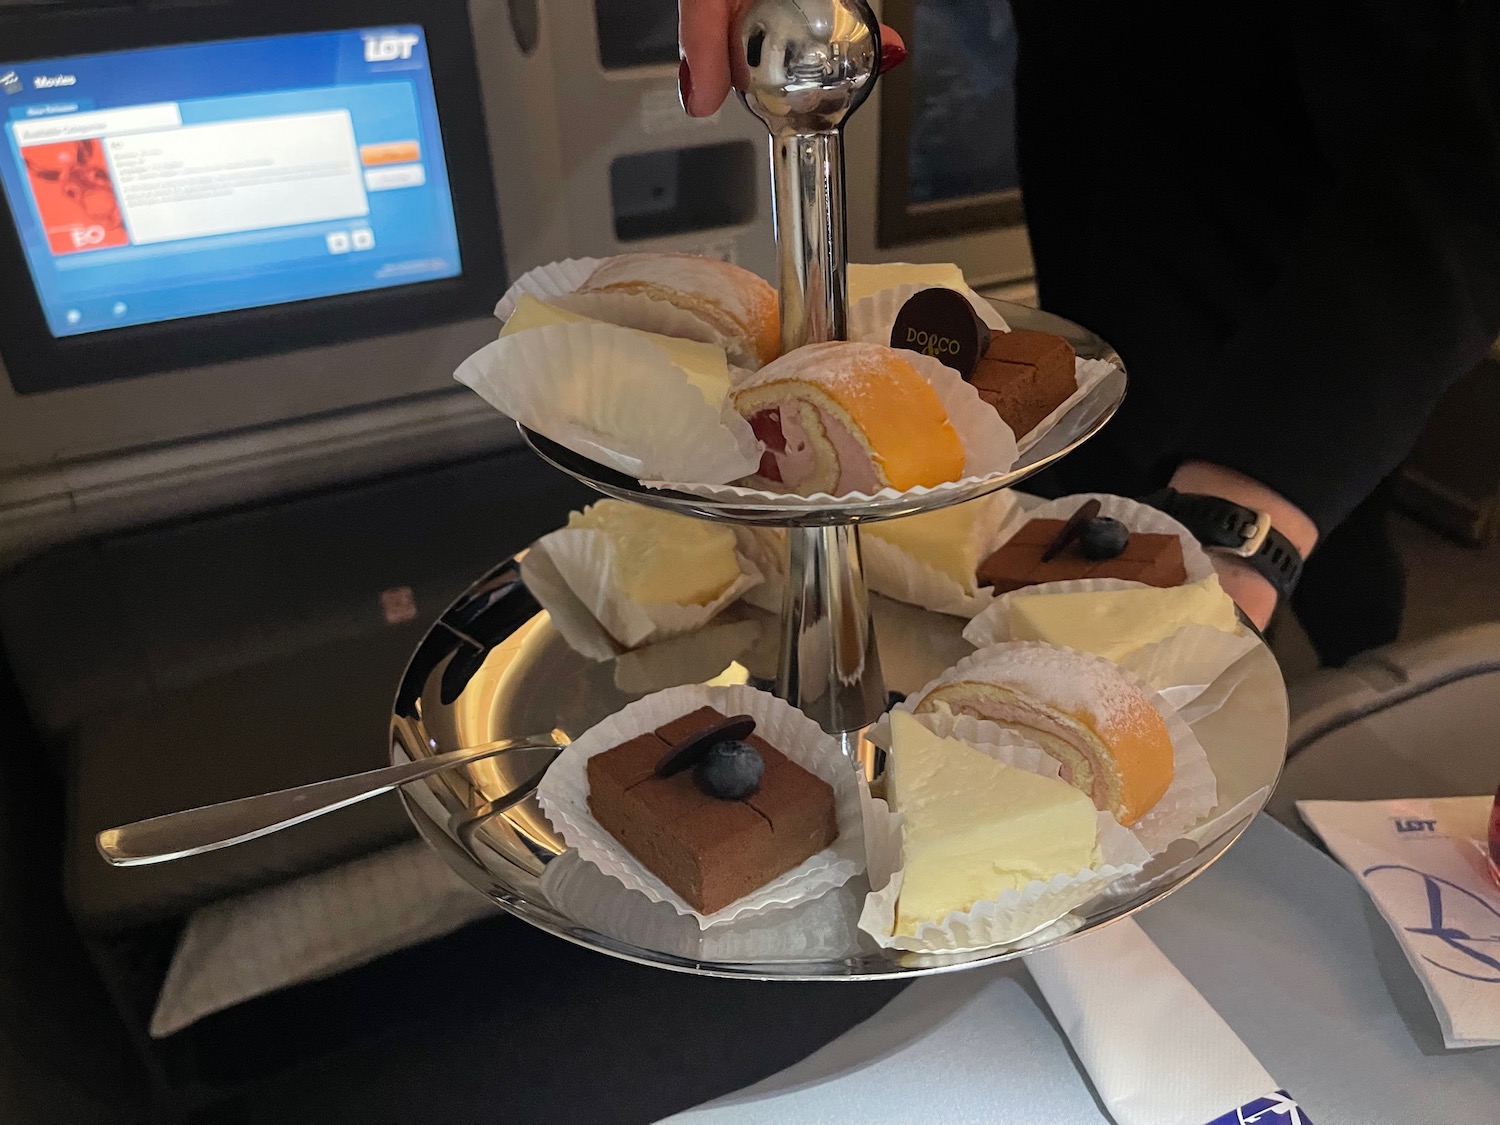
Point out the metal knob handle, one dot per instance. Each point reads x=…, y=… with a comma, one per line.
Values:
x=802, y=66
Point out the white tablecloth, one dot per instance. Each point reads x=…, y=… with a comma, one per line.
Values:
x=1277, y=937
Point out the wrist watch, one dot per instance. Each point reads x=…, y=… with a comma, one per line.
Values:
x=1224, y=527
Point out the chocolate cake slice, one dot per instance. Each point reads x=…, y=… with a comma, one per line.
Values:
x=710, y=850
x=1025, y=376
x=1155, y=559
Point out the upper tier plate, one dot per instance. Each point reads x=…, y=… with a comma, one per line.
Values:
x=1083, y=419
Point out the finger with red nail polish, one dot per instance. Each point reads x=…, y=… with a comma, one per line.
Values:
x=892, y=49
x=703, y=28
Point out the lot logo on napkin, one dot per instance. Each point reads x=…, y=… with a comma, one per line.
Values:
x=1412, y=824
x=1273, y=1109
x=1463, y=930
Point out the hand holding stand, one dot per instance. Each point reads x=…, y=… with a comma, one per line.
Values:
x=802, y=67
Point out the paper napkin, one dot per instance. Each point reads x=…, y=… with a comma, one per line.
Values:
x=1157, y=1052
x=1423, y=862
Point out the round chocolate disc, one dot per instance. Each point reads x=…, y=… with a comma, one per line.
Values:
x=941, y=323
x=687, y=752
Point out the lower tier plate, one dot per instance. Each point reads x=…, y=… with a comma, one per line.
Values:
x=494, y=667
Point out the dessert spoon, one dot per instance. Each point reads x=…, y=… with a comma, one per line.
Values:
x=211, y=827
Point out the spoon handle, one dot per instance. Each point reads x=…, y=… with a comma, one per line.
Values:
x=211, y=827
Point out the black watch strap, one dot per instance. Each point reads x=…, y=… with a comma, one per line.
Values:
x=1224, y=526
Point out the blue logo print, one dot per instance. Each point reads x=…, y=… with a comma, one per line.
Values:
x=1463, y=929
x=1273, y=1109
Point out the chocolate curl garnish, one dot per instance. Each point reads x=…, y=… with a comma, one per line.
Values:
x=1072, y=529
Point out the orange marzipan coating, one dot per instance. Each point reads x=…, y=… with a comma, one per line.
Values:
x=1137, y=743
x=897, y=410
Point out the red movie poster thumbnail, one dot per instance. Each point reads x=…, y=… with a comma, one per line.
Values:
x=75, y=196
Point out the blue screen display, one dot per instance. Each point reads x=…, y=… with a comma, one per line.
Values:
x=173, y=182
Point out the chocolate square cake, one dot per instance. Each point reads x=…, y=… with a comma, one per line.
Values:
x=1155, y=559
x=1025, y=376
x=710, y=850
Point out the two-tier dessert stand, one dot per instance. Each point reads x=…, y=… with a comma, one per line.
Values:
x=496, y=673
x=495, y=667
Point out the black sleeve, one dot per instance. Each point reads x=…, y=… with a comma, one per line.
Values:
x=1394, y=289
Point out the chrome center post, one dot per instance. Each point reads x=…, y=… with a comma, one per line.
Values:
x=802, y=67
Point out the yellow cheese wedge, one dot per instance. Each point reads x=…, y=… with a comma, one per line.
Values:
x=867, y=279
x=950, y=540
x=661, y=557
x=1114, y=623
x=704, y=364
x=973, y=828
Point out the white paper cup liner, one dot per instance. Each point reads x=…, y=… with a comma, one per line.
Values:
x=1208, y=701
x=563, y=795
x=817, y=931
x=546, y=282
x=1184, y=666
x=766, y=549
x=892, y=572
x=614, y=397
x=1193, y=792
x=579, y=628
x=1087, y=374
x=585, y=557
x=557, y=283
x=871, y=318
x=989, y=448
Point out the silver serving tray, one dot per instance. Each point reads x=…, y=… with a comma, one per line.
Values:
x=495, y=667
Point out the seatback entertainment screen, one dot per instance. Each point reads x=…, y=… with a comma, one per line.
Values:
x=170, y=182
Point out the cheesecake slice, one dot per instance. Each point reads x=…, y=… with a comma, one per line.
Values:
x=864, y=280
x=1114, y=623
x=660, y=557
x=950, y=540
x=973, y=828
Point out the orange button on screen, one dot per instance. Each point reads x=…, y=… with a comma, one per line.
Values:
x=392, y=152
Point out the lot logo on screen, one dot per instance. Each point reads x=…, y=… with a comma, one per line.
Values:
x=388, y=48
